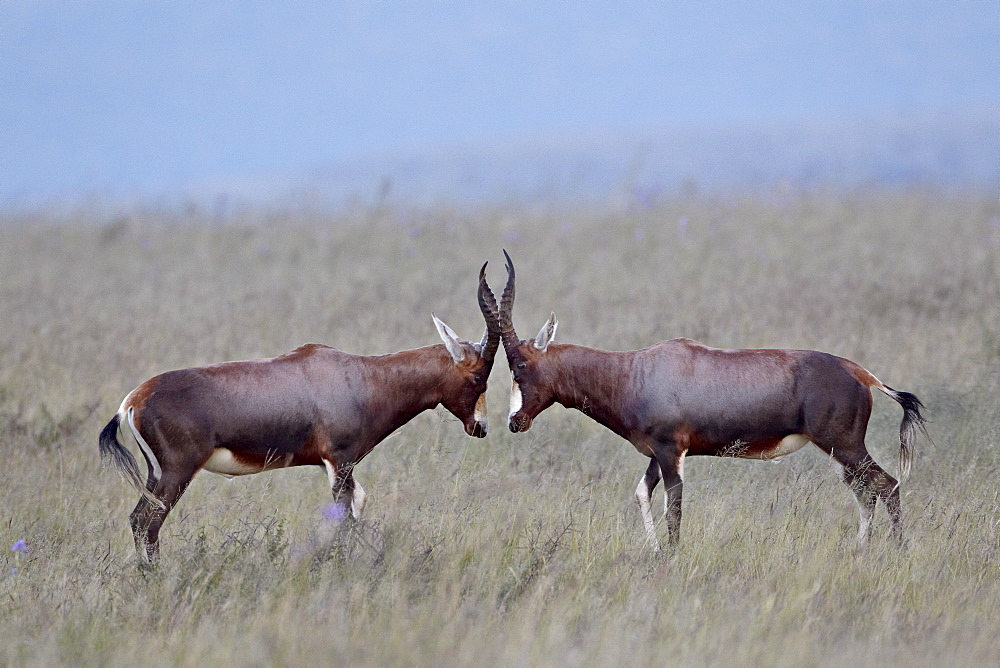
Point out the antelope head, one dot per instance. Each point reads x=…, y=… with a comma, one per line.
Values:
x=532, y=381
x=465, y=392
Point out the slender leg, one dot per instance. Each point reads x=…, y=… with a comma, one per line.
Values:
x=856, y=479
x=348, y=496
x=671, y=462
x=147, y=519
x=673, y=492
x=644, y=497
x=869, y=482
x=888, y=491
x=139, y=520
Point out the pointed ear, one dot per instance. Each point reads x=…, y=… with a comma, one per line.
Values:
x=547, y=333
x=450, y=339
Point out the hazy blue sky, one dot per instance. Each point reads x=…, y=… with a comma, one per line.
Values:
x=136, y=95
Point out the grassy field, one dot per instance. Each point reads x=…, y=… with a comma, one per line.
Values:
x=518, y=549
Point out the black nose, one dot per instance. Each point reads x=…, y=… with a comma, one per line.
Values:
x=479, y=430
x=512, y=425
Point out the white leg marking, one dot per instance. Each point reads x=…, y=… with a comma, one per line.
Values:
x=143, y=445
x=643, y=496
x=864, y=525
x=358, y=500
x=143, y=550
x=358, y=497
x=331, y=472
x=515, y=396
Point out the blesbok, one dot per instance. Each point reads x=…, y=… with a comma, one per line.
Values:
x=314, y=406
x=680, y=398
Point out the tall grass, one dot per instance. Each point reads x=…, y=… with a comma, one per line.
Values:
x=517, y=549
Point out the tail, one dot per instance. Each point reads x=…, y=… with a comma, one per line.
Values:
x=115, y=453
x=912, y=420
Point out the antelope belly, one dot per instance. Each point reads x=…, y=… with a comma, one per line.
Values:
x=224, y=462
x=785, y=446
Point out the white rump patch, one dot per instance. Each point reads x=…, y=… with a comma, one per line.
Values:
x=225, y=463
x=515, y=396
x=143, y=445
x=785, y=446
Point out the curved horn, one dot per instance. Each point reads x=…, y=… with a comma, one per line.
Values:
x=507, y=333
x=488, y=305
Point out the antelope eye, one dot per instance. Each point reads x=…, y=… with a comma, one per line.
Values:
x=521, y=365
x=477, y=379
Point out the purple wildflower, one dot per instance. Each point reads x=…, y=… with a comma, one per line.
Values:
x=20, y=546
x=334, y=512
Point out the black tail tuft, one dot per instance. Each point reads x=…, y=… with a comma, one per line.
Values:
x=113, y=452
x=913, y=419
x=910, y=403
x=108, y=441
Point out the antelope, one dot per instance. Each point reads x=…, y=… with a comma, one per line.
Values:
x=680, y=398
x=313, y=406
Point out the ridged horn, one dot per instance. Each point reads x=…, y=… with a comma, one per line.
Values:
x=507, y=333
x=488, y=305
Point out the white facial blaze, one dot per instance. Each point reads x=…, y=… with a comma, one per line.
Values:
x=480, y=413
x=515, y=396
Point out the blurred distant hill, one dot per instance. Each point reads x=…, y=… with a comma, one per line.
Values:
x=960, y=151
x=954, y=152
